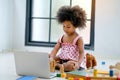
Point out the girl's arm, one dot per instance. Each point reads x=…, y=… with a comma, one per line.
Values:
x=55, y=50
x=80, y=45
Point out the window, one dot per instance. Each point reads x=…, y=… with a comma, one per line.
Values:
x=42, y=28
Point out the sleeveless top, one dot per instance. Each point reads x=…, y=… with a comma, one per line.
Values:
x=69, y=51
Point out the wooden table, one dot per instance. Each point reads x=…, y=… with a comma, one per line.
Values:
x=89, y=75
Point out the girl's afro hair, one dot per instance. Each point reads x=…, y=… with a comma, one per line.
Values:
x=75, y=15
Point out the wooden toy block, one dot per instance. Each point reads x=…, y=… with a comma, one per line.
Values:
x=76, y=78
x=70, y=78
x=52, y=66
x=58, y=75
x=63, y=75
x=95, y=73
x=103, y=72
x=61, y=68
x=81, y=74
x=81, y=79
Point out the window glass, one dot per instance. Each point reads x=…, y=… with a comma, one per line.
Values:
x=40, y=8
x=40, y=30
x=85, y=4
x=56, y=4
x=56, y=31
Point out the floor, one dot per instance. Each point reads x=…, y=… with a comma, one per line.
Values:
x=7, y=67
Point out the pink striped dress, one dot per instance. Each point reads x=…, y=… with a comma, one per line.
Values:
x=69, y=51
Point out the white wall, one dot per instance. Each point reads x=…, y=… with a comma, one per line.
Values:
x=6, y=24
x=107, y=28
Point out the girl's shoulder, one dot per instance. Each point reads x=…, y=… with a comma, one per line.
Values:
x=60, y=39
x=76, y=39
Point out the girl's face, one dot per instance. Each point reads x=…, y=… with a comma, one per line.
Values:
x=68, y=27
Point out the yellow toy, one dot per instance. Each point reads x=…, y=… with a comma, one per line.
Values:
x=61, y=68
x=52, y=65
x=63, y=75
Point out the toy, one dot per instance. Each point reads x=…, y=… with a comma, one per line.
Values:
x=90, y=61
x=116, y=68
x=63, y=75
x=52, y=65
x=61, y=68
x=95, y=72
x=111, y=73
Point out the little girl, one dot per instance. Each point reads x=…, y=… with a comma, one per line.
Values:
x=72, y=48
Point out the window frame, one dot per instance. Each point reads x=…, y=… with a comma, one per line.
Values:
x=28, y=29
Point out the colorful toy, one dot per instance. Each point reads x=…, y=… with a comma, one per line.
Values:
x=61, y=68
x=58, y=75
x=116, y=68
x=95, y=72
x=70, y=78
x=63, y=75
x=52, y=65
x=88, y=78
x=81, y=79
x=90, y=61
x=111, y=73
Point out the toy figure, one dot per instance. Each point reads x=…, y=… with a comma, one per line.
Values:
x=52, y=65
x=61, y=68
x=115, y=68
x=90, y=61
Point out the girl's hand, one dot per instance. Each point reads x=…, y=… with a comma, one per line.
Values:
x=71, y=65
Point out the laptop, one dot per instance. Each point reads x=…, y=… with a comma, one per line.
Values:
x=33, y=64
